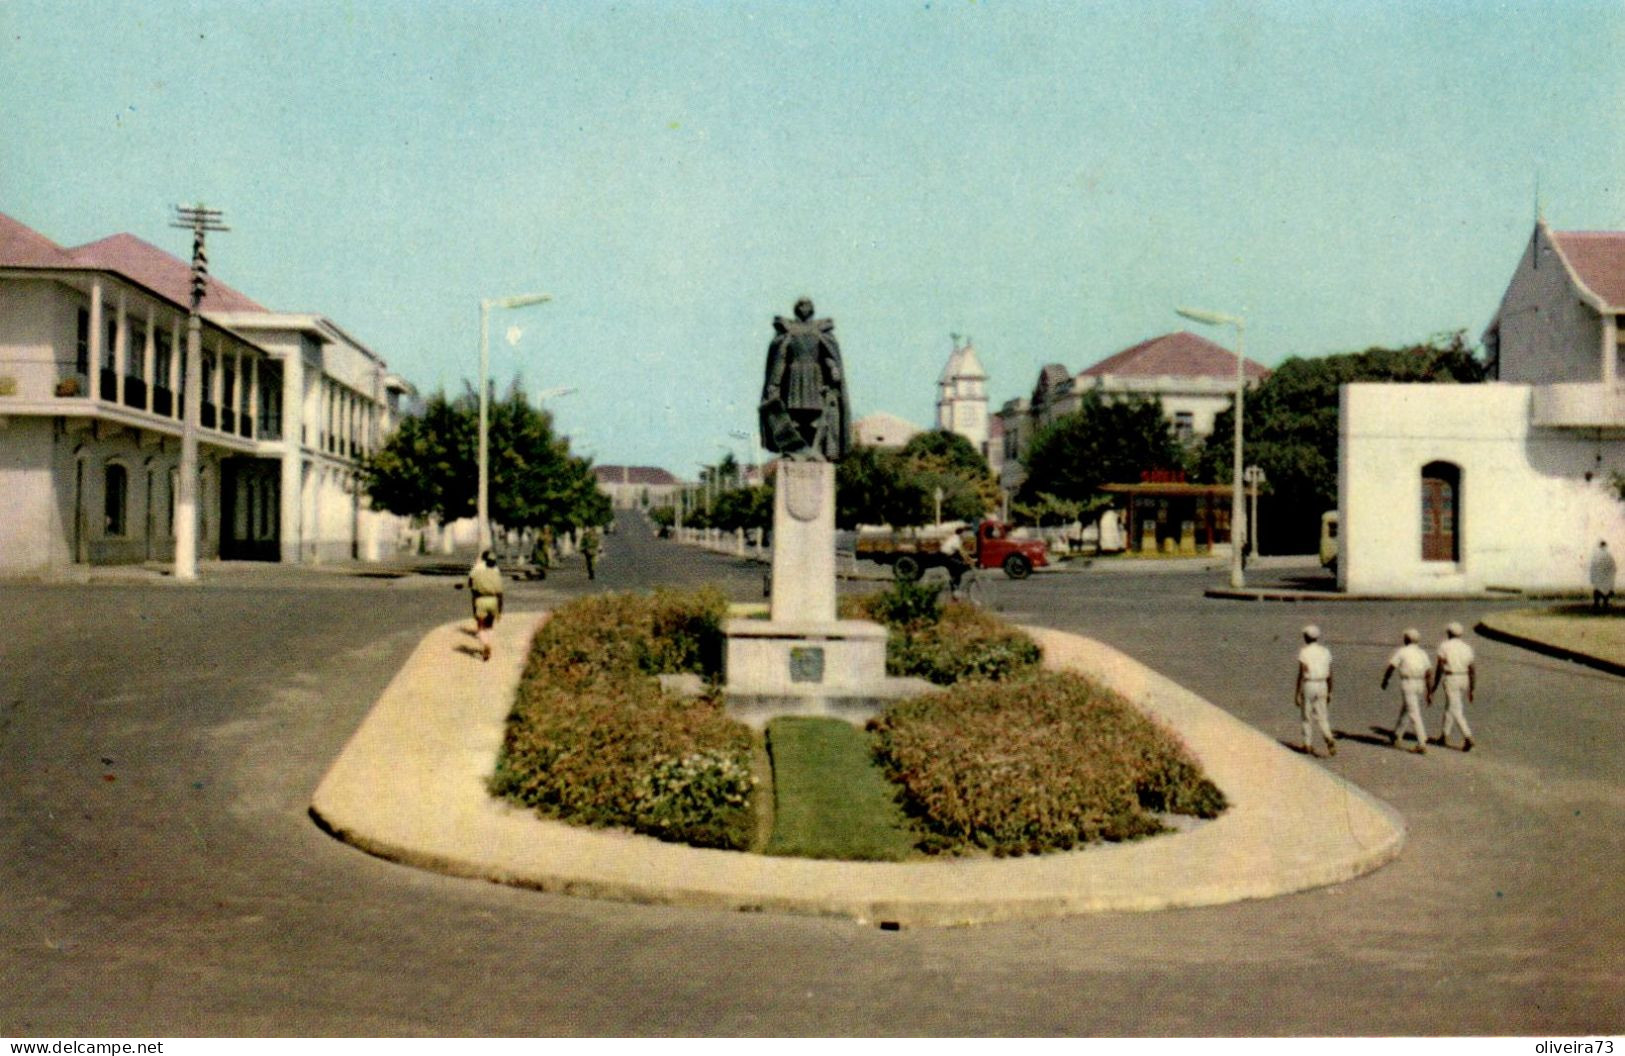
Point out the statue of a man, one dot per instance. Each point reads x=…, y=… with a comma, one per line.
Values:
x=804, y=408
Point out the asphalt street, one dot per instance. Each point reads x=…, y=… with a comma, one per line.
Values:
x=159, y=874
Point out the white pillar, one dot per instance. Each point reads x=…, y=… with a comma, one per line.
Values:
x=149, y=355
x=121, y=351
x=292, y=498
x=93, y=357
x=1610, y=353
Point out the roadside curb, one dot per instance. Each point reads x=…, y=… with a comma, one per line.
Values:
x=1488, y=629
x=410, y=786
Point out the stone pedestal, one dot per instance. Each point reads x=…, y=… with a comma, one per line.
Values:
x=804, y=542
x=801, y=660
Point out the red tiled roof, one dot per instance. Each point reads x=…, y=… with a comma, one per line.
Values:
x=1598, y=258
x=1177, y=355
x=160, y=271
x=633, y=475
x=23, y=247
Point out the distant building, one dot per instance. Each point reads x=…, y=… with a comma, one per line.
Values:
x=637, y=487
x=883, y=430
x=962, y=396
x=1450, y=488
x=92, y=366
x=1194, y=378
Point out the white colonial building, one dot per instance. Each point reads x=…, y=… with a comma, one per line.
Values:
x=92, y=361
x=1464, y=488
x=962, y=396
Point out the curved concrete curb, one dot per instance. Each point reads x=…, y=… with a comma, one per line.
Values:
x=410, y=787
x=1490, y=628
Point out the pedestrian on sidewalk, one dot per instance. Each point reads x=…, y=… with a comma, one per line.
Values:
x=589, y=550
x=1456, y=671
x=1411, y=662
x=1313, y=693
x=485, y=587
x=953, y=552
x=1602, y=572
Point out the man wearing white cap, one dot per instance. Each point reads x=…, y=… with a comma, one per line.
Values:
x=1411, y=661
x=1456, y=672
x=1314, y=690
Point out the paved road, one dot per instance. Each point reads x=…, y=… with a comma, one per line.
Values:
x=160, y=875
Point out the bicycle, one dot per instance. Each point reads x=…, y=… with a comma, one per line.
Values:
x=970, y=589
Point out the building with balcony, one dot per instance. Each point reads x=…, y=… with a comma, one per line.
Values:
x=1451, y=488
x=93, y=359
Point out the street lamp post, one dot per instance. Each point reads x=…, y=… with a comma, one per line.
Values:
x=486, y=304
x=1254, y=476
x=1238, y=511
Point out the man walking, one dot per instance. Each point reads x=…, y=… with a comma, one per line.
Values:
x=1457, y=673
x=485, y=586
x=1411, y=662
x=1313, y=693
x=589, y=550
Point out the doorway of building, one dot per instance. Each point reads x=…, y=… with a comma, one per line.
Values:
x=1441, y=501
x=250, y=509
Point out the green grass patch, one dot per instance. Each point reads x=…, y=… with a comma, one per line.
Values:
x=832, y=801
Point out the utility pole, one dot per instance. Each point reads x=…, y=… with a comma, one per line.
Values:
x=199, y=221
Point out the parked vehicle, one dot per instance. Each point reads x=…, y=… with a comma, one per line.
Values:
x=1328, y=540
x=910, y=553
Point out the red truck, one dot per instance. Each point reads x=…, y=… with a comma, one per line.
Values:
x=911, y=553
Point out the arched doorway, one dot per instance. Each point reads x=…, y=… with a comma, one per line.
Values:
x=1441, y=512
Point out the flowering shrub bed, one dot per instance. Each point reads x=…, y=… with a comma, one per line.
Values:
x=1041, y=763
x=592, y=738
x=943, y=643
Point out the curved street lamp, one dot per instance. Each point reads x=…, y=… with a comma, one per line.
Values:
x=1237, y=502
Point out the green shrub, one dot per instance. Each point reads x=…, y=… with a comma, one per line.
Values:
x=592, y=738
x=1044, y=763
x=944, y=643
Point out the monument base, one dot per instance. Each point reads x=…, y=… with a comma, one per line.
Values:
x=834, y=668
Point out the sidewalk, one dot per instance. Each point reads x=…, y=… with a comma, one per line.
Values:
x=410, y=787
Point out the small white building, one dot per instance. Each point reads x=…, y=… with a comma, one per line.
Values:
x=883, y=430
x=92, y=361
x=962, y=396
x=1463, y=488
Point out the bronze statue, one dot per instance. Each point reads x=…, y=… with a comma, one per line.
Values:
x=804, y=411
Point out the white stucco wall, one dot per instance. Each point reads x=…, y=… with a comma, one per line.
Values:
x=1548, y=334
x=31, y=535
x=1527, y=517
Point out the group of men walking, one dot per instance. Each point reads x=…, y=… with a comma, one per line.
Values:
x=1452, y=669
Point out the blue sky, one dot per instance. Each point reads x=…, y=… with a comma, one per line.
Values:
x=1051, y=179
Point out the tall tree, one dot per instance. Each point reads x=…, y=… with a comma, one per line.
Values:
x=947, y=461
x=1290, y=429
x=1105, y=441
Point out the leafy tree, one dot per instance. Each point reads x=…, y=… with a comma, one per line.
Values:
x=873, y=486
x=744, y=508
x=948, y=461
x=1106, y=441
x=1290, y=428
x=430, y=466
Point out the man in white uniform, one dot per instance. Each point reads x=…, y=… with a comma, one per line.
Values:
x=1313, y=693
x=1456, y=672
x=1602, y=572
x=1411, y=662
